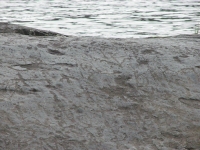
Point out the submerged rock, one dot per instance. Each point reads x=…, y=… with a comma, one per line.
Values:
x=89, y=93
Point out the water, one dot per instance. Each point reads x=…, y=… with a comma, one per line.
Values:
x=105, y=18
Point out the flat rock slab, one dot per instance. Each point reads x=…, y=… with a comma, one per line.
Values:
x=89, y=93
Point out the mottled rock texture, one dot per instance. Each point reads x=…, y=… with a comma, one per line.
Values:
x=89, y=93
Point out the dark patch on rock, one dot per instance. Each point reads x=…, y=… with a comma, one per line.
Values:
x=190, y=102
x=34, y=90
x=55, y=52
x=79, y=110
x=176, y=58
x=148, y=52
x=29, y=66
x=142, y=61
x=198, y=66
x=67, y=64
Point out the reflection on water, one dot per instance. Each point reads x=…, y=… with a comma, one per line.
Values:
x=107, y=18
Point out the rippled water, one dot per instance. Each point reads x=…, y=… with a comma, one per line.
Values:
x=107, y=18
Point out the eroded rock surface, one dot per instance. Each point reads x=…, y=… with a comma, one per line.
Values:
x=90, y=93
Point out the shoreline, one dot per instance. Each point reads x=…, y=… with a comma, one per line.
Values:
x=6, y=27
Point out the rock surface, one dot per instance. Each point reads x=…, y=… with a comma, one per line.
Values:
x=89, y=93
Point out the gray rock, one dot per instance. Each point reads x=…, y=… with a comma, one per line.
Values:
x=90, y=93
